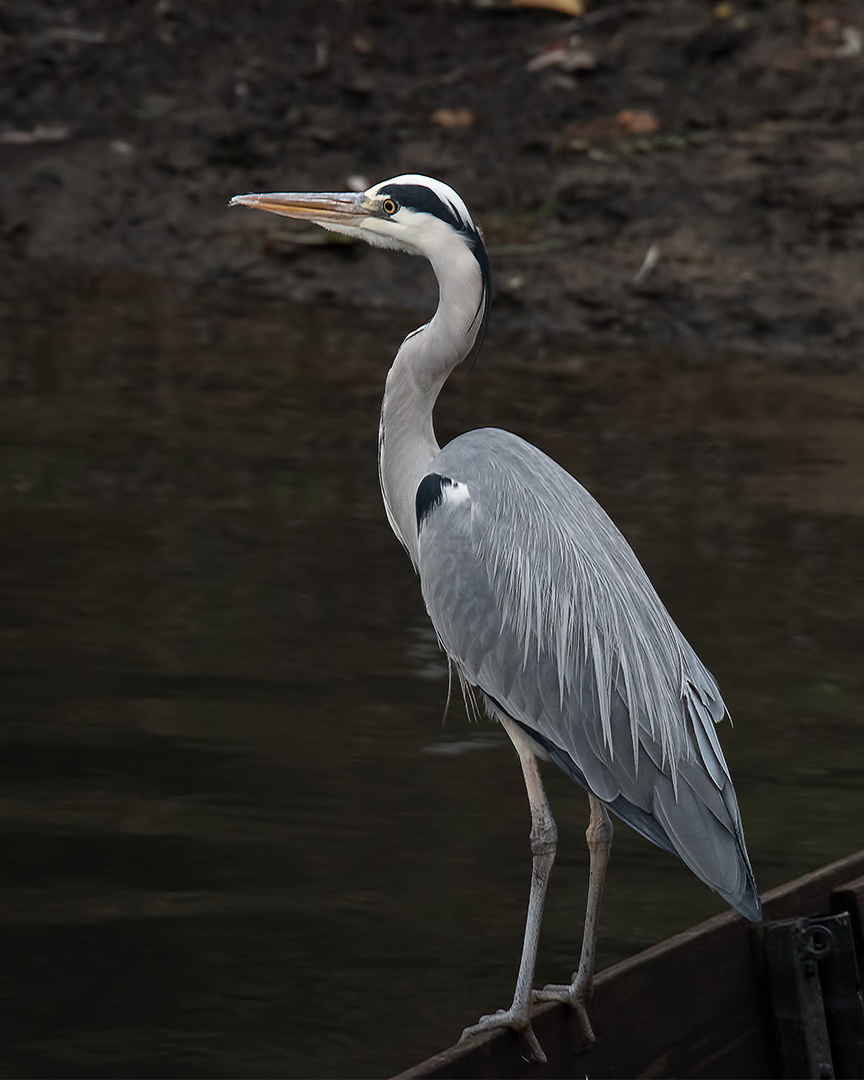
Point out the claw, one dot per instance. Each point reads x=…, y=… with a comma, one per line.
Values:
x=534, y=1046
x=518, y=1021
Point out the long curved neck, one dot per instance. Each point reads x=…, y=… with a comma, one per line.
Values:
x=406, y=442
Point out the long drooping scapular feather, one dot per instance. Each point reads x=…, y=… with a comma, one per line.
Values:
x=541, y=603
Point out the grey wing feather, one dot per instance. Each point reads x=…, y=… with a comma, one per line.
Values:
x=542, y=604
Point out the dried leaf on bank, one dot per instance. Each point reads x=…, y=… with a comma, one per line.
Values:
x=364, y=42
x=453, y=118
x=574, y=8
x=623, y=123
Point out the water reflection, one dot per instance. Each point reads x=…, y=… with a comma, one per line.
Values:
x=238, y=839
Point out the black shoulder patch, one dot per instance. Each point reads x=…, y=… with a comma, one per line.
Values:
x=430, y=493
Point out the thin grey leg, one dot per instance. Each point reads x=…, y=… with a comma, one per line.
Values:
x=544, y=837
x=578, y=993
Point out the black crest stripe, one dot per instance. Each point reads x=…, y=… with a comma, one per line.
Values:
x=430, y=493
x=424, y=200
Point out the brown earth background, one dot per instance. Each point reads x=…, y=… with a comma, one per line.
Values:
x=726, y=140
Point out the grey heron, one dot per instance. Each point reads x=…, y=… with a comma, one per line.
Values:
x=537, y=599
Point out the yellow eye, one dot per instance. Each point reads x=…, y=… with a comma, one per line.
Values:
x=389, y=206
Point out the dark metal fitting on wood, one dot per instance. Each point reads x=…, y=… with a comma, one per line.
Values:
x=816, y=997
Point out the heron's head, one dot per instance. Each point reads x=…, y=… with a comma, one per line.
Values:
x=412, y=213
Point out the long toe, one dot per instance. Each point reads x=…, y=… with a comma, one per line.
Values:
x=573, y=995
x=554, y=992
x=518, y=1020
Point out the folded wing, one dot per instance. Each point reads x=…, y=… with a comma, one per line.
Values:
x=541, y=603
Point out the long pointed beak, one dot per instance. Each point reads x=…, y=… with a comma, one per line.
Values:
x=324, y=208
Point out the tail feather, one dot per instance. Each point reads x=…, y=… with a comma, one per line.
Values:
x=705, y=834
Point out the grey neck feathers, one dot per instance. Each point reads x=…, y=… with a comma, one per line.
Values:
x=407, y=444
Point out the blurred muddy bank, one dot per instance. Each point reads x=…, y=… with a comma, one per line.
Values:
x=682, y=173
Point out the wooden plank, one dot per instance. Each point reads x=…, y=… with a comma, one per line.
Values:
x=690, y=1006
x=811, y=893
x=850, y=897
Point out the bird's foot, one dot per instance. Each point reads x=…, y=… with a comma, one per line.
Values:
x=577, y=995
x=518, y=1019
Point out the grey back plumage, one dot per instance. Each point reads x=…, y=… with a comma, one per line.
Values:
x=540, y=602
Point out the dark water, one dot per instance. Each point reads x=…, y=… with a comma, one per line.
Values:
x=237, y=838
